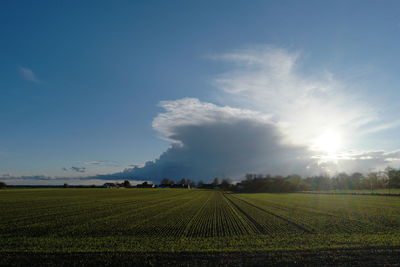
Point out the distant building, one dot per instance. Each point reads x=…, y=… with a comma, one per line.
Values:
x=186, y=186
x=110, y=185
x=145, y=185
x=239, y=186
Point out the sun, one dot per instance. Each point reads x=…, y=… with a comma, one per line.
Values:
x=328, y=142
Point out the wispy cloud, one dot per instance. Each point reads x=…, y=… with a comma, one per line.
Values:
x=270, y=80
x=271, y=116
x=381, y=127
x=78, y=169
x=363, y=161
x=46, y=180
x=100, y=162
x=28, y=74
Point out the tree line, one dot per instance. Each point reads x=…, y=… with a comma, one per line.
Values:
x=225, y=183
x=388, y=179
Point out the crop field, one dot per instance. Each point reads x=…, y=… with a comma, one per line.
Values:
x=385, y=191
x=151, y=224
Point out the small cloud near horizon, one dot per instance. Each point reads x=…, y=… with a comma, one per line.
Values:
x=58, y=181
x=78, y=169
x=100, y=162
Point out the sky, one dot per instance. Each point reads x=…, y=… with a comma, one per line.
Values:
x=97, y=90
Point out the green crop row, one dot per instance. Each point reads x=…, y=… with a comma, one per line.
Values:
x=192, y=220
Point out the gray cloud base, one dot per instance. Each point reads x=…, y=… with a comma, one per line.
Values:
x=210, y=141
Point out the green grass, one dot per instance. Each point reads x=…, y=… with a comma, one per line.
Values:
x=385, y=191
x=169, y=221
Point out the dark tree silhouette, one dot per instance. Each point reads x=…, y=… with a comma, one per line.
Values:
x=167, y=181
x=226, y=183
x=342, y=181
x=127, y=183
x=215, y=181
x=183, y=181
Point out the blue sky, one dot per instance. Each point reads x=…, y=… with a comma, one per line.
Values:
x=81, y=81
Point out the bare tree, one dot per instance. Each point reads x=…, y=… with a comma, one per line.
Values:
x=215, y=181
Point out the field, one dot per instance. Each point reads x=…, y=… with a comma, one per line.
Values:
x=386, y=191
x=158, y=226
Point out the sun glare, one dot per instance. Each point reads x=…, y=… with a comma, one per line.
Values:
x=329, y=142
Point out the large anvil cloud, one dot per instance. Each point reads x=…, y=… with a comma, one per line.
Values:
x=209, y=140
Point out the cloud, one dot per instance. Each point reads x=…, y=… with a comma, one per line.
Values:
x=75, y=169
x=136, y=165
x=28, y=74
x=362, y=161
x=100, y=162
x=272, y=116
x=78, y=169
x=381, y=127
x=93, y=162
x=46, y=180
x=210, y=140
x=270, y=80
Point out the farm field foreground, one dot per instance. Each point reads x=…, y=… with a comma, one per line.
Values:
x=204, y=226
